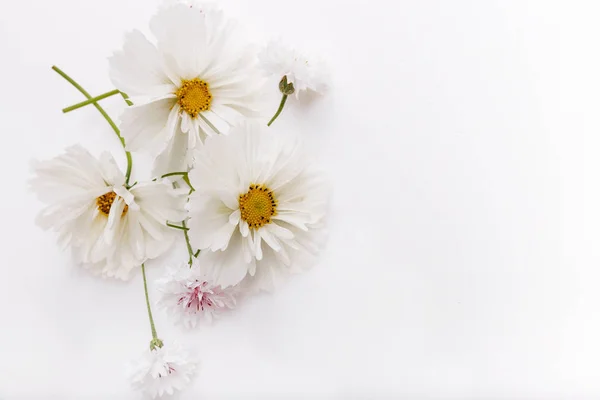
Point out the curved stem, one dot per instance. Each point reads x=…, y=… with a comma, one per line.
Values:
x=90, y=101
x=174, y=174
x=184, y=176
x=187, y=181
x=152, y=327
x=279, y=110
x=104, y=114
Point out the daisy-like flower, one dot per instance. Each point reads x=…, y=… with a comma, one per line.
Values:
x=299, y=71
x=195, y=81
x=162, y=370
x=188, y=294
x=258, y=205
x=112, y=229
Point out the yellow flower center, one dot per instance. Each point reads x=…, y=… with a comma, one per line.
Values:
x=193, y=96
x=105, y=201
x=257, y=206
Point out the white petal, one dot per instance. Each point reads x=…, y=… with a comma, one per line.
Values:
x=269, y=239
x=151, y=226
x=257, y=246
x=298, y=220
x=244, y=228
x=205, y=126
x=216, y=122
x=148, y=126
x=235, y=216
x=126, y=196
x=137, y=70
x=136, y=237
x=228, y=267
x=113, y=225
x=221, y=237
x=176, y=157
x=181, y=34
x=279, y=231
x=207, y=217
x=110, y=171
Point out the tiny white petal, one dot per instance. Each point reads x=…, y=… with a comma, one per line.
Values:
x=269, y=239
x=234, y=218
x=304, y=72
x=244, y=228
x=162, y=370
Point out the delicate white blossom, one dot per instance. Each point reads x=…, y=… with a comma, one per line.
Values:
x=258, y=205
x=301, y=70
x=198, y=78
x=162, y=370
x=189, y=295
x=111, y=228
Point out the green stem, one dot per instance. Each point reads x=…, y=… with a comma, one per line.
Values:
x=152, y=327
x=90, y=101
x=187, y=180
x=174, y=174
x=177, y=227
x=126, y=98
x=129, y=165
x=104, y=114
x=183, y=223
x=279, y=110
x=187, y=241
x=184, y=176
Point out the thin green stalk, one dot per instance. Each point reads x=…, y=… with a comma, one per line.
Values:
x=152, y=327
x=183, y=226
x=186, y=178
x=104, y=114
x=174, y=174
x=279, y=110
x=177, y=227
x=126, y=98
x=187, y=241
x=90, y=101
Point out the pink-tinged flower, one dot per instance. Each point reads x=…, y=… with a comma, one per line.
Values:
x=162, y=370
x=188, y=295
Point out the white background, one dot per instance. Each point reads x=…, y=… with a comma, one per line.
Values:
x=462, y=138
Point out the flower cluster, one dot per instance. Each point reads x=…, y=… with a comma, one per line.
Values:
x=247, y=199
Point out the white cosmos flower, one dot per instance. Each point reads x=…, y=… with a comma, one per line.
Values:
x=258, y=205
x=162, y=370
x=305, y=72
x=188, y=294
x=198, y=78
x=111, y=229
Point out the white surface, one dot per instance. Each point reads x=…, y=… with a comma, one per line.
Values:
x=463, y=263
